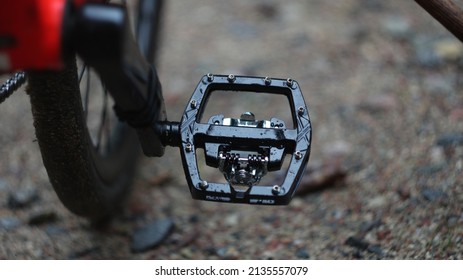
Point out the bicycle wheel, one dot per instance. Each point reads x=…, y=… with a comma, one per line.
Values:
x=90, y=167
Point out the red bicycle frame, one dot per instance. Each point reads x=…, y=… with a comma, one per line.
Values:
x=31, y=33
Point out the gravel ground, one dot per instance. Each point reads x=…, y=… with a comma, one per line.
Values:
x=382, y=82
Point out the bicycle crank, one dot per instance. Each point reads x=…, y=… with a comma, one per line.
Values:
x=244, y=148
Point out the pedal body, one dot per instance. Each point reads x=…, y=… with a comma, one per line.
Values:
x=245, y=149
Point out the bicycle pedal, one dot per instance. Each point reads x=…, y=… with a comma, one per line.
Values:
x=245, y=149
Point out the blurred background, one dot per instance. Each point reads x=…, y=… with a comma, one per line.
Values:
x=383, y=83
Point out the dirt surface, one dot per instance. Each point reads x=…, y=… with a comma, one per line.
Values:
x=382, y=81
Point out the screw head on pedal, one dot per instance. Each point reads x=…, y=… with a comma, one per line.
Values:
x=247, y=148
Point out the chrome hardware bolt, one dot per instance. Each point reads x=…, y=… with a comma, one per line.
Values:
x=298, y=155
x=276, y=189
x=188, y=147
x=267, y=81
x=193, y=104
x=301, y=110
x=210, y=77
x=289, y=82
x=203, y=185
x=231, y=78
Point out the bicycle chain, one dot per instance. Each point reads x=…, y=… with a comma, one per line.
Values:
x=11, y=85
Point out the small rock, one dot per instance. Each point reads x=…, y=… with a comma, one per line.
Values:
x=161, y=179
x=337, y=149
x=232, y=220
x=357, y=243
x=267, y=10
x=432, y=195
x=437, y=155
x=432, y=52
x=363, y=245
x=151, y=235
x=54, y=230
x=9, y=223
x=448, y=49
x=368, y=226
x=452, y=221
x=383, y=234
x=396, y=26
x=452, y=139
x=404, y=193
x=3, y=184
x=326, y=175
x=187, y=253
x=22, y=198
x=228, y=253
x=194, y=219
x=377, y=201
x=211, y=251
x=41, y=218
x=376, y=249
x=186, y=239
x=379, y=103
x=82, y=254
x=302, y=254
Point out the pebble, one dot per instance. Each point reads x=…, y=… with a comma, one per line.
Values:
x=194, y=219
x=357, y=243
x=54, y=230
x=404, y=193
x=437, y=155
x=377, y=201
x=363, y=245
x=368, y=226
x=396, y=26
x=435, y=51
x=84, y=253
x=151, y=235
x=337, y=149
x=452, y=220
x=268, y=11
x=227, y=253
x=329, y=174
x=379, y=103
x=9, y=223
x=432, y=195
x=22, y=198
x=3, y=185
x=448, y=49
x=376, y=249
x=451, y=139
x=40, y=218
x=302, y=254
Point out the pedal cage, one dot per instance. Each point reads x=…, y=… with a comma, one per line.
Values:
x=245, y=149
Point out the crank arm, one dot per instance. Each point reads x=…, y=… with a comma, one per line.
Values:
x=244, y=149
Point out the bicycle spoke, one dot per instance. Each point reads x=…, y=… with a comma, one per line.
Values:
x=87, y=96
x=81, y=74
x=103, y=118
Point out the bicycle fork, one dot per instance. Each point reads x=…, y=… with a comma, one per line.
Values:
x=244, y=149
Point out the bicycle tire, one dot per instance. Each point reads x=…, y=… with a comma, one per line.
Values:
x=88, y=183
